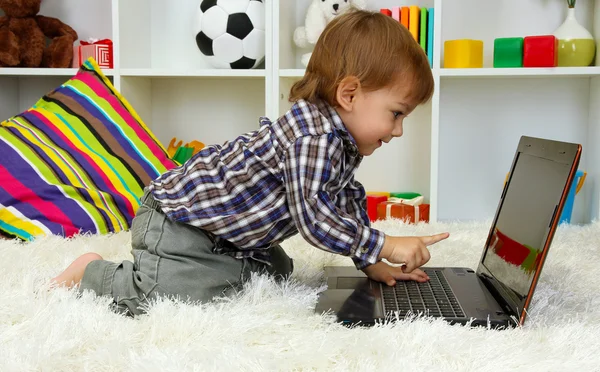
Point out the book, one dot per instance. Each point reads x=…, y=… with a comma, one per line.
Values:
x=413, y=22
x=423, y=30
x=396, y=13
x=404, y=16
x=430, y=17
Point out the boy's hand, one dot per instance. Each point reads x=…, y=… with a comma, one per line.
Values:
x=384, y=273
x=410, y=251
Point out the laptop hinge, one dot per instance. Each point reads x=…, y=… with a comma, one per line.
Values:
x=497, y=295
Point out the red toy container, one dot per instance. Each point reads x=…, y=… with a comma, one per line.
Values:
x=540, y=51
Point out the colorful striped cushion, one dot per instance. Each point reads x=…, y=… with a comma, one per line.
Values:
x=76, y=162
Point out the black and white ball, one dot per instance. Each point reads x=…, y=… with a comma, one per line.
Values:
x=231, y=33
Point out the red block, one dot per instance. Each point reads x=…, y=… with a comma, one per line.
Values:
x=540, y=51
x=510, y=250
x=372, y=201
x=385, y=11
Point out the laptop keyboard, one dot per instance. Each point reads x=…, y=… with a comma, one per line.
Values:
x=434, y=297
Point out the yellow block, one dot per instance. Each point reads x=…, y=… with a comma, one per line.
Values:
x=378, y=193
x=463, y=53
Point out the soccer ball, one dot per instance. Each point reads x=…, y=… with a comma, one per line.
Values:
x=231, y=33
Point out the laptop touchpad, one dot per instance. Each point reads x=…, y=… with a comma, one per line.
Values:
x=352, y=283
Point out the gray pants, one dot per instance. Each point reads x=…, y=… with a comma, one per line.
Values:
x=173, y=260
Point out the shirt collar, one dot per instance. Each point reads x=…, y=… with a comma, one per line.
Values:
x=338, y=125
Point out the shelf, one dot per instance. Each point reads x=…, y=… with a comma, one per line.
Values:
x=212, y=73
x=292, y=72
x=520, y=72
x=20, y=71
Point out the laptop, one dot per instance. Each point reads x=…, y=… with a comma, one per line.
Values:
x=498, y=293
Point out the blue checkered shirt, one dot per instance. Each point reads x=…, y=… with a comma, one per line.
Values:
x=295, y=174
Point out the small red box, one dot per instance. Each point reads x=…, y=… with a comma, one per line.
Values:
x=385, y=11
x=100, y=50
x=410, y=213
x=540, y=51
x=372, y=201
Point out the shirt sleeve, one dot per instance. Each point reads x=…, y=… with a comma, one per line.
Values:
x=310, y=178
x=353, y=200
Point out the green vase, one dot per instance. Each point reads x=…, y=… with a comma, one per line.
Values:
x=576, y=46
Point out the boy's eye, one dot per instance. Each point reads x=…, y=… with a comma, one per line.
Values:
x=396, y=114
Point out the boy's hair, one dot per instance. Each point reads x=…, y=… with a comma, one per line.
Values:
x=371, y=46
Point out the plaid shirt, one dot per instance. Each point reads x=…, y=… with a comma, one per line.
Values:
x=292, y=175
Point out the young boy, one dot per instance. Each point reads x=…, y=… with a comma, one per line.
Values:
x=204, y=227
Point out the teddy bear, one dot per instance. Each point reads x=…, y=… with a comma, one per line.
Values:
x=23, y=36
x=318, y=15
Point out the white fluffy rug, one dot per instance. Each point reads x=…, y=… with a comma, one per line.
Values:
x=273, y=326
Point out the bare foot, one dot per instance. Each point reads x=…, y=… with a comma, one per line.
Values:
x=73, y=274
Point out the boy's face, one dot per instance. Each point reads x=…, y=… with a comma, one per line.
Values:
x=373, y=118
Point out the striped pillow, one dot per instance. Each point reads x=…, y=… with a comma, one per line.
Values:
x=76, y=162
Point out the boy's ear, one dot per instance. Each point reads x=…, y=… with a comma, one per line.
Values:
x=347, y=91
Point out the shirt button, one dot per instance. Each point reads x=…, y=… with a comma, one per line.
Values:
x=364, y=249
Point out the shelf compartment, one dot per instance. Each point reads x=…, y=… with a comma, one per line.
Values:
x=156, y=34
x=519, y=72
x=19, y=93
x=17, y=71
x=481, y=122
x=172, y=73
x=290, y=15
x=208, y=110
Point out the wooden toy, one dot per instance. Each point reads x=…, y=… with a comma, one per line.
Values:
x=181, y=153
x=172, y=149
x=508, y=52
x=196, y=145
x=463, y=53
x=540, y=51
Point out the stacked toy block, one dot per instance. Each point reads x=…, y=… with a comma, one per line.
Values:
x=408, y=206
x=419, y=21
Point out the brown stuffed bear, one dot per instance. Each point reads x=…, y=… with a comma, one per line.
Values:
x=23, y=37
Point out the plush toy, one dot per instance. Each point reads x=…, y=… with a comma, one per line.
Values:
x=318, y=15
x=23, y=36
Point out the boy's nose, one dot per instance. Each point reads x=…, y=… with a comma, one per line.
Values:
x=335, y=7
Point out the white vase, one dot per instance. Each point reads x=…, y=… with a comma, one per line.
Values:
x=576, y=45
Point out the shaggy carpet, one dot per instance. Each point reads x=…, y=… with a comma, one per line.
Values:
x=272, y=326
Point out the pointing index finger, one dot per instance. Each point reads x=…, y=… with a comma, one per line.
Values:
x=432, y=239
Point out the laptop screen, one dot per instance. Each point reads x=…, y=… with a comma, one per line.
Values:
x=523, y=222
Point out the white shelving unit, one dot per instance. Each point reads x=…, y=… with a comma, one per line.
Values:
x=456, y=149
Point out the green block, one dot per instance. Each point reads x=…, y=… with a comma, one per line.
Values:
x=508, y=52
x=404, y=195
x=183, y=154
